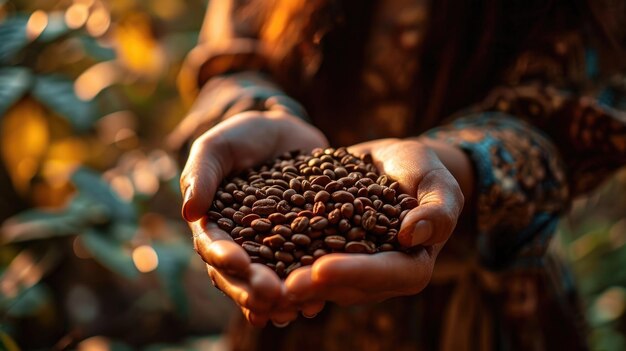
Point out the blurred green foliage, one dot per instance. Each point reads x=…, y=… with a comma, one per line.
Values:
x=94, y=255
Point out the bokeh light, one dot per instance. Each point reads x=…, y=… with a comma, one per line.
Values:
x=145, y=258
x=37, y=22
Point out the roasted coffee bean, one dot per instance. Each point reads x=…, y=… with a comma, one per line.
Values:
x=291, y=216
x=388, y=194
x=282, y=207
x=390, y=210
x=283, y=230
x=295, y=184
x=264, y=207
x=368, y=220
x=334, y=216
x=335, y=242
x=379, y=229
x=266, y=252
x=249, y=200
x=214, y=215
x=347, y=182
x=235, y=233
x=321, y=180
x=277, y=218
x=383, y=220
x=274, y=241
x=347, y=210
x=257, y=259
x=289, y=246
x=342, y=196
x=378, y=204
x=358, y=247
x=353, y=190
x=261, y=225
x=344, y=225
x=375, y=189
x=247, y=232
x=307, y=260
x=386, y=247
x=356, y=233
x=230, y=187
x=287, y=194
x=322, y=196
x=408, y=203
x=319, y=208
x=275, y=192
x=300, y=224
x=228, y=212
x=358, y=206
x=284, y=257
x=329, y=173
x=314, y=234
x=301, y=239
x=251, y=247
x=225, y=224
x=245, y=210
x=297, y=200
x=280, y=268
x=247, y=219
x=318, y=223
x=218, y=205
x=356, y=219
x=226, y=198
x=364, y=183
x=383, y=180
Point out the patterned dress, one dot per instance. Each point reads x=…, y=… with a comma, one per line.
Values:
x=546, y=127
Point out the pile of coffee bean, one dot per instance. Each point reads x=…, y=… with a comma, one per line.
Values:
x=299, y=207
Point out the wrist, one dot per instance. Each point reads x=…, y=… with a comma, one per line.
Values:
x=457, y=162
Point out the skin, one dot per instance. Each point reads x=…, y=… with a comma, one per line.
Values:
x=424, y=168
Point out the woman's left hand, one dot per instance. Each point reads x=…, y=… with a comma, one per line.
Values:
x=358, y=278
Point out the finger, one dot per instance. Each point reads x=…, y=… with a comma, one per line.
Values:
x=240, y=292
x=440, y=202
x=218, y=250
x=265, y=283
x=256, y=319
x=311, y=309
x=392, y=272
x=282, y=317
x=202, y=174
x=352, y=278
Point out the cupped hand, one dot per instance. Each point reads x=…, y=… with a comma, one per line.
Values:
x=358, y=278
x=240, y=142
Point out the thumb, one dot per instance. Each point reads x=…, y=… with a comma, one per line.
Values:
x=201, y=177
x=440, y=202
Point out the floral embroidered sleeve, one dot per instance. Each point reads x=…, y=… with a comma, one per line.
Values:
x=534, y=148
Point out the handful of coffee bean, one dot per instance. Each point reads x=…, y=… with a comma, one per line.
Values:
x=300, y=207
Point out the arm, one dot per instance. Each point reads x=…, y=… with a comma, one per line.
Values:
x=532, y=149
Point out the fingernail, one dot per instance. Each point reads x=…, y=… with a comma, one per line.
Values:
x=309, y=315
x=422, y=232
x=280, y=325
x=188, y=194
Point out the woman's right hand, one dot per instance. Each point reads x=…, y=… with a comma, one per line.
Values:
x=242, y=141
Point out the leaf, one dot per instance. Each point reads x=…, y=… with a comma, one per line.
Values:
x=109, y=252
x=55, y=29
x=90, y=184
x=95, y=50
x=7, y=343
x=14, y=82
x=30, y=301
x=24, y=137
x=57, y=93
x=37, y=224
x=174, y=259
x=12, y=37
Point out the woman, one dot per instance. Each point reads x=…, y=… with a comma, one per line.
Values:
x=536, y=128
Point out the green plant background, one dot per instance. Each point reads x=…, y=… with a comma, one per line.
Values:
x=87, y=98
